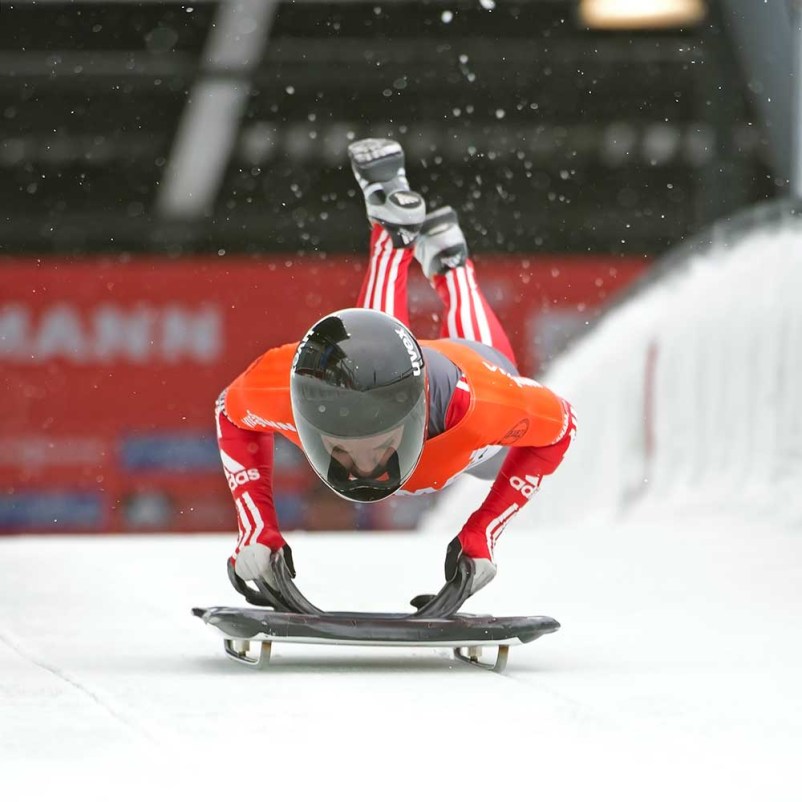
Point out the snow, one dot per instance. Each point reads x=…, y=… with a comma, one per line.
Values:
x=668, y=546
x=676, y=670
x=687, y=397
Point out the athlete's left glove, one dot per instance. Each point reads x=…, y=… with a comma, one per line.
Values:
x=473, y=544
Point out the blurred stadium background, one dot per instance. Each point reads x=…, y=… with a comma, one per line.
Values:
x=175, y=198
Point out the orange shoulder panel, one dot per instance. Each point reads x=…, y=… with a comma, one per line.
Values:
x=259, y=398
x=505, y=410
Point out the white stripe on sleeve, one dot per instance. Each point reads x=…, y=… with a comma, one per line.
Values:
x=257, y=518
x=496, y=526
x=244, y=524
x=229, y=463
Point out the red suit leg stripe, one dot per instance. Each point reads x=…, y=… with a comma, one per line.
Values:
x=392, y=281
x=384, y=287
x=464, y=304
x=467, y=312
x=451, y=303
x=478, y=307
x=366, y=295
x=375, y=300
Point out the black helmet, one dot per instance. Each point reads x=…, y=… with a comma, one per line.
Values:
x=359, y=397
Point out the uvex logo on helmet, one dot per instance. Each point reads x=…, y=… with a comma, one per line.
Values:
x=414, y=357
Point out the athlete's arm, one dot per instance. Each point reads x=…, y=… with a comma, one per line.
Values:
x=518, y=480
x=248, y=464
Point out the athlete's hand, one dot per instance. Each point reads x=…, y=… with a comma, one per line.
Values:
x=472, y=545
x=253, y=561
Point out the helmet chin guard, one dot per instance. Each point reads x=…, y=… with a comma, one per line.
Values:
x=365, y=489
x=359, y=374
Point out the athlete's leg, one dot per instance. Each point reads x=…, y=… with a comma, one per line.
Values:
x=396, y=215
x=443, y=254
x=385, y=284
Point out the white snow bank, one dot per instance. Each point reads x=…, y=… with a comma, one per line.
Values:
x=689, y=394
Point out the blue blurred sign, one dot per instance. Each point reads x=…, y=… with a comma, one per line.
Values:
x=170, y=452
x=40, y=511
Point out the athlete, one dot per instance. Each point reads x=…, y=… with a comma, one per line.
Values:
x=377, y=412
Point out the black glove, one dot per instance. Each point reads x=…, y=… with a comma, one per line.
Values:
x=453, y=552
x=484, y=569
x=268, y=595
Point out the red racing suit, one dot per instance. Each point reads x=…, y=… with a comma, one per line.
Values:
x=491, y=409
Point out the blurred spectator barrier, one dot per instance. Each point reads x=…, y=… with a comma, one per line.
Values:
x=110, y=369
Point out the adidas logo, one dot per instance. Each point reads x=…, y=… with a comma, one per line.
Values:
x=370, y=152
x=406, y=199
x=527, y=486
x=456, y=260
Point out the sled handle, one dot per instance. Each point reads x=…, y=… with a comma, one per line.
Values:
x=287, y=598
x=288, y=590
x=265, y=596
x=452, y=595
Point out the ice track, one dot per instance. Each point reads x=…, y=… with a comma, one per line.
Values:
x=676, y=673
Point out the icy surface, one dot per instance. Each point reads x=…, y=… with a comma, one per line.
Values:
x=676, y=672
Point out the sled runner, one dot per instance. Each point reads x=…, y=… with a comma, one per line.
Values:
x=248, y=634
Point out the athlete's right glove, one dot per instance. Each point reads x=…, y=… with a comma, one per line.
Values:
x=253, y=561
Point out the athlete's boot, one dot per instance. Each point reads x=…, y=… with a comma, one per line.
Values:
x=378, y=165
x=441, y=245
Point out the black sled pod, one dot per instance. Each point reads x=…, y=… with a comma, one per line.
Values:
x=359, y=396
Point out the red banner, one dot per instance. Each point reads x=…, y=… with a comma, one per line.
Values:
x=110, y=369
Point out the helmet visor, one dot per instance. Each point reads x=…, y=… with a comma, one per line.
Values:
x=367, y=468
